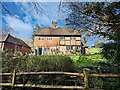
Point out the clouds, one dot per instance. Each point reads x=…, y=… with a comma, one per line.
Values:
x=17, y=24
x=45, y=20
x=27, y=19
x=24, y=29
x=50, y=14
x=23, y=21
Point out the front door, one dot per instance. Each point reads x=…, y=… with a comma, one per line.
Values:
x=40, y=51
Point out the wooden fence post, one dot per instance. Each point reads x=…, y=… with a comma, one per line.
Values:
x=13, y=78
x=85, y=72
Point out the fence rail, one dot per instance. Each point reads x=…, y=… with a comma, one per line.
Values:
x=85, y=75
x=61, y=73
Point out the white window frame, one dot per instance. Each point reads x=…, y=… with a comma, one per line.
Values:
x=69, y=48
x=49, y=38
x=73, y=38
x=78, y=47
x=41, y=38
x=62, y=38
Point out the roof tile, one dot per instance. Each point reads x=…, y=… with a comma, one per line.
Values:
x=11, y=39
x=57, y=31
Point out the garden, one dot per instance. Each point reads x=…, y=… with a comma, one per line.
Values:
x=63, y=63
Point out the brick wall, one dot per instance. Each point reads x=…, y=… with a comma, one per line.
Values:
x=45, y=42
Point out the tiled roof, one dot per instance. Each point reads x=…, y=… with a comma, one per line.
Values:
x=57, y=31
x=11, y=39
x=3, y=37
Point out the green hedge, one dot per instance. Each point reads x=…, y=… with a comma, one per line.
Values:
x=36, y=63
x=61, y=63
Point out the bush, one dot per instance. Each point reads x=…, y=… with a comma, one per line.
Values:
x=111, y=51
x=24, y=63
x=98, y=64
x=52, y=63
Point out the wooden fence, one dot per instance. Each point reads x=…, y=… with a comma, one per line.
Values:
x=85, y=75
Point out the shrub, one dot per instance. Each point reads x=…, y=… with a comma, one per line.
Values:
x=111, y=51
x=26, y=63
x=52, y=63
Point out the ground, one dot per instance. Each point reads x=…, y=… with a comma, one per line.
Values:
x=88, y=60
x=94, y=50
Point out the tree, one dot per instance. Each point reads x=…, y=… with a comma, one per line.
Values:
x=35, y=29
x=92, y=18
x=97, y=18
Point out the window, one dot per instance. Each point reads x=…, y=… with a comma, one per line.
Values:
x=49, y=38
x=46, y=49
x=62, y=38
x=78, y=47
x=41, y=38
x=72, y=38
x=69, y=47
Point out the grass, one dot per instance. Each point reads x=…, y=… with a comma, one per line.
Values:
x=89, y=60
x=94, y=50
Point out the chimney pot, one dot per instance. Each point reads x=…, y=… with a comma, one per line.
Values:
x=54, y=24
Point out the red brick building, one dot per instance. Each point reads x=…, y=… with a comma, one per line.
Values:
x=13, y=44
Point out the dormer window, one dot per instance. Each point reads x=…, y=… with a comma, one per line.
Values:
x=41, y=38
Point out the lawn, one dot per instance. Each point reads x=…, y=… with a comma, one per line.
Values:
x=94, y=50
x=88, y=60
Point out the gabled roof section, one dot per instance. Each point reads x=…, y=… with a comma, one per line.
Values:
x=11, y=39
x=57, y=31
x=3, y=37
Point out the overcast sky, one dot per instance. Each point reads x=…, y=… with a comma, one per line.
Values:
x=23, y=22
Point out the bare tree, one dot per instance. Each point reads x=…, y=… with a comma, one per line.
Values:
x=33, y=6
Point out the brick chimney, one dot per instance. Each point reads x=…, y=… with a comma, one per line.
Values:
x=54, y=24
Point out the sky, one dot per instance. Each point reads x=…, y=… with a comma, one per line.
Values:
x=23, y=20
